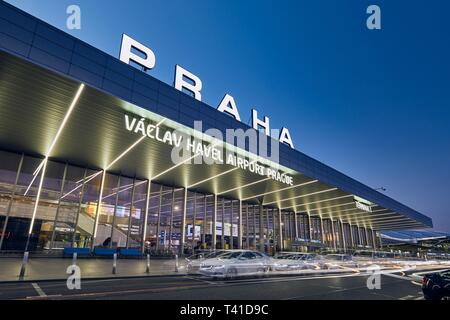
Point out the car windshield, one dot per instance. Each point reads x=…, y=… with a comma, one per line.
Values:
x=445, y=274
x=229, y=255
x=334, y=257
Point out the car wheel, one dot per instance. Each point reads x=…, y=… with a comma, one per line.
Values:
x=445, y=298
x=232, y=274
x=261, y=272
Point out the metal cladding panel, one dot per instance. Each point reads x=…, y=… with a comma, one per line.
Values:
x=34, y=40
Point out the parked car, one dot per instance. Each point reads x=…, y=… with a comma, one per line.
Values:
x=193, y=262
x=436, y=286
x=236, y=263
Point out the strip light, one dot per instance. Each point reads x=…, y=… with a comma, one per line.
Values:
x=282, y=189
x=112, y=163
x=43, y=165
x=244, y=186
x=301, y=196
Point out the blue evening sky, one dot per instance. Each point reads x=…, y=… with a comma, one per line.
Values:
x=372, y=104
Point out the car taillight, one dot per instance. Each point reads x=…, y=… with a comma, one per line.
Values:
x=424, y=281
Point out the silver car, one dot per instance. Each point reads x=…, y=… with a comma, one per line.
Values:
x=236, y=263
x=193, y=262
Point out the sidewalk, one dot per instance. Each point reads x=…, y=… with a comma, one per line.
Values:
x=55, y=268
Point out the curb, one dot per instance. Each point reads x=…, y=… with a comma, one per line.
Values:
x=92, y=278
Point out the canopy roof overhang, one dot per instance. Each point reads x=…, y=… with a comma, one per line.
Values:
x=34, y=102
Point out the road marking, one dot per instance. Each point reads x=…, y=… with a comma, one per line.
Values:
x=38, y=289
x=408, y=297
x=203, y=280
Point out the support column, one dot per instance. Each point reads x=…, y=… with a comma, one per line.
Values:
x=231, y=227
x=261, y=228
x=222, y=238
x=11, y=200
x=205, y=225
x=130, y=216
x=254, y=228
x=115, y=212
x=274, y=233
x=296, y=225
x=144, y=228
x=247, y=227
x=367, y=236
x=74, y=234
x=344, y=238
x=194, y=222
x=158, y=224
x=321, y=230
x=57, y=209
x=280, y=231
x=172, y=209
x=98, y=209
x=310, y=230
x=351, y=236
x=214, y=234
x=183, y=223
x=240, y=226
x=374, y=240
x=333, y=233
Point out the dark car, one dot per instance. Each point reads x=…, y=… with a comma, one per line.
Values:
x=436, y=286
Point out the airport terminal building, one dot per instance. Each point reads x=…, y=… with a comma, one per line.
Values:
x=82, y=164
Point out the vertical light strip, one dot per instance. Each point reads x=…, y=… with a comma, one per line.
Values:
x=38, y=196
x=99, y=204
x=147, y=202
x=50, y=149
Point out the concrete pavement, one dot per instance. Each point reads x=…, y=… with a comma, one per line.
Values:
x=55, y=268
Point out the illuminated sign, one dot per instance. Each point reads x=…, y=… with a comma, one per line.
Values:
x=184, y=81
x=190, y=145
x=363, y=206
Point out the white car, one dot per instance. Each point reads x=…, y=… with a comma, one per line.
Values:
x=236, y=263
x=193, y=262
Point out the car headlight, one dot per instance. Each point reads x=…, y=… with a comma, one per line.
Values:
x=218, y=267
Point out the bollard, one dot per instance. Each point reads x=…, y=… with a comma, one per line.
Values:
x=74, y=259
x=114, y=263
x=176, y=263
x=24, y=265
x=147, y=270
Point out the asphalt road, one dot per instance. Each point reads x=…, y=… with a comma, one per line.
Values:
x=333, y=287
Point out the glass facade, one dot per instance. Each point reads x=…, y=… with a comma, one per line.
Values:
x=134, y=214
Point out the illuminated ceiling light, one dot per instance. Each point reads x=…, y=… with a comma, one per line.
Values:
x=125, y=188
x=76, y=188
x=282, y=189
x=244, y=186
x=177, y=165
x=112, y=163
x=129, y=148
x=213, y=177
x=336, y=205
x=43, y=165
x=81, y=180
x=38, y=196
x=34, y=176
x=307, y=204
x=301, y=196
